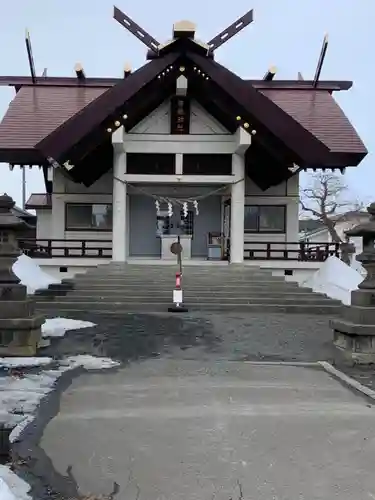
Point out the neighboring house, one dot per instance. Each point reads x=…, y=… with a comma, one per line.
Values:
x=42, y=204
x=119, y=153
x=314, y=231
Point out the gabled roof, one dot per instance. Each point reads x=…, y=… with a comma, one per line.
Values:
x=87, y=128
x=303, y=125
x=37, y=111
x=278, y=131
x=39, y=201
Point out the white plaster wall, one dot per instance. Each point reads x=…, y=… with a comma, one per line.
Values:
x=286, y=193
x=66, y=191
x=74, y=266
x=158, y=122
x=301, y=270
x=43, y=223
x=102, y=186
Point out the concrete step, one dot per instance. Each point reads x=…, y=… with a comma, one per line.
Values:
x=195, y=288
x=186, y=279
x=144, y=293
x=192, y=272
x=123, y=308
x=99, y=300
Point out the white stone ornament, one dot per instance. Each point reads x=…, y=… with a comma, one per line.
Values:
x=170, y=209
x=157, y=205
x=68, y=166
x=195, y=203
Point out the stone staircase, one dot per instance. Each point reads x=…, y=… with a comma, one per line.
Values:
x=122, y=288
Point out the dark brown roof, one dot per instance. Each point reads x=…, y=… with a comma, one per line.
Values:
x=38, y=201
x=36, y=112
x=319, y=113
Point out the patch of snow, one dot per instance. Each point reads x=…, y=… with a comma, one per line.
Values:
x=335, y=279
x=12, y=487
x=31, y=275
x=15, y=435
x=89, y=362
x=20, y=396
x=24, y=362
x=19, y=399
x=57, y=327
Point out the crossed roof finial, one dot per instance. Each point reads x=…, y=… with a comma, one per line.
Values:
x=182, y=29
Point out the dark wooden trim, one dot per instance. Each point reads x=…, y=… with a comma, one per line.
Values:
x=90, y=125
x=22, y=156
x=66, y=81
x=296, y=251
x=146, y=163
x=180, y=122
x=231, y=31
x=136, y=30
x=265, y=116
x=258, y=231
x=47, y=249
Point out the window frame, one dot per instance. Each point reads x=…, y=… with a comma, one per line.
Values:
x=86, y=229
x=268, y=231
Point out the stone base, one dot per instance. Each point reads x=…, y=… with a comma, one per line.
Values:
x=356, y=346
x=20, y=337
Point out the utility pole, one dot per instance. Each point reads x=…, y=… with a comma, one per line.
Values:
x=23, y=169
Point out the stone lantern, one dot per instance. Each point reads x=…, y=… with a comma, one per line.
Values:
x=354, y=331
x=20, y=328
x=347, y=250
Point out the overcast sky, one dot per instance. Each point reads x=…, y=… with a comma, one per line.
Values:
x=286, y=33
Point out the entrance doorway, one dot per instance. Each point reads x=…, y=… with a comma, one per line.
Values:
x=177, y=223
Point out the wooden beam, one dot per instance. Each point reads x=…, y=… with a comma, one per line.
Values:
x=62, y=81
x=270, y=74
x=135, y=30
x=232, y=30
x=320, y=61
x=30, y=57
x=78, y=68
x=127, y=70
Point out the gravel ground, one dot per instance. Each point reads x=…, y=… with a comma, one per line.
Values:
x=247, y=337
x=197, y=336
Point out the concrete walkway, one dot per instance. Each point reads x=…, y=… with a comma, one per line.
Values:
x=188, y=429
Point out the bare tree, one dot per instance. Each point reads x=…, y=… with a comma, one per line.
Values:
x=327, y=199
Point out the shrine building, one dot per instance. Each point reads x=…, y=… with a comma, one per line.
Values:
x=181, y=146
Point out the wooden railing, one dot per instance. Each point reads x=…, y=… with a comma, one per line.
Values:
x=102, y=249
x=46, y=249
x=301, y=251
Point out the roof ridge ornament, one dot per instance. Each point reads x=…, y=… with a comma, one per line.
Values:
x=322, y=56
x=182, y=29
x=30, y=56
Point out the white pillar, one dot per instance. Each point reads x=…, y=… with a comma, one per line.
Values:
x=237, y=210
x=119, y=226
x=58, y=207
